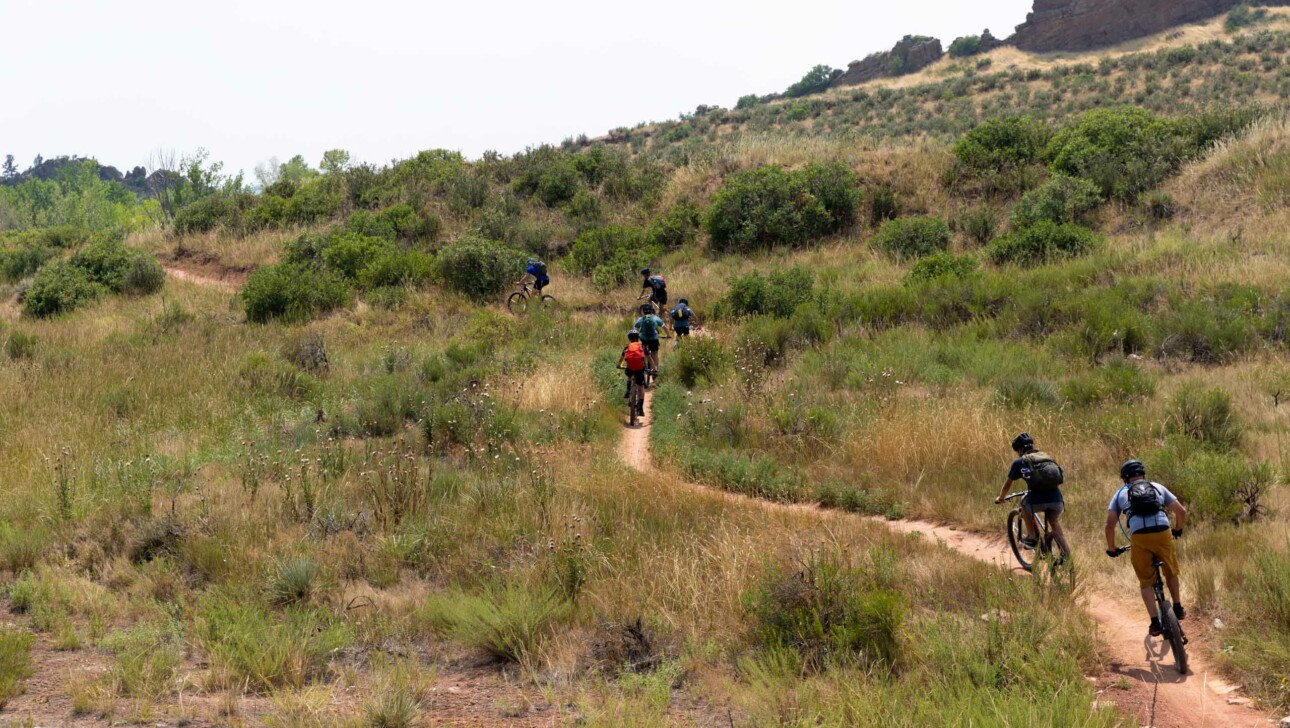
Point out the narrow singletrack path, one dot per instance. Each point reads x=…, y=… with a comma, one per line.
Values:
x=1197, y=700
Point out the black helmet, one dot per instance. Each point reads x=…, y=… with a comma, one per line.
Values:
x=684, y=302
x=647, y=309
x=1023, y=443
x=645, y=271
x=633, y=335
x=1132, y=469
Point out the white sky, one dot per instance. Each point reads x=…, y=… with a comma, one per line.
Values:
x=387, y=78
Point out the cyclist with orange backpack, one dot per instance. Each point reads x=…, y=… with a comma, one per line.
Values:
x=634, y=360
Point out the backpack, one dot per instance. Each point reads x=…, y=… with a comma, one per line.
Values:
x=538, y=269
x=657, y=283
x=648, y=327
x=634, y=356
x=1045, y=473
x=682, y=314
x=1144, y=499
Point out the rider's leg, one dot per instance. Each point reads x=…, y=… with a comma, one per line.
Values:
x=1059, y=535
x=1149, y=599
x=1175, y=588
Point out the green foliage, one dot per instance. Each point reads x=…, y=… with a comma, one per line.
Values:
x=1244, y=16
x=815, y=81
x=60, y=287
x=1042, y=242
x=1061, y=200
x=778, y=295
x=978, y=224
x=1120, y=381
x=768, y=206
x=1124, y=152
x=968, y=45
x=145, y=275
x=397, y=222
x=21, y=345
x=1217, y=486
x=747, y=101
x=250, y=646
x=1205, y=415
x=1000, y=144
x=941, y=265
x=912, y=237
x=1021, y=392
x=215, y=212
x=15, y=662
x=349, y=254
x=676, y=228
x=119, y=269
x=825, y=613
x=292, y=292
x=612, y=255
x=701, y=361
x=479, y=268
x=294, y=581
x=508, y=622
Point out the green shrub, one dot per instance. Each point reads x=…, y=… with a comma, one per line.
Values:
x=913, y=237
x=1061, y=200
x=145, y=275
x=768, y=206
x=676, y=228
x=1119, y=381
x=15, y=662
x=1205, y=415
x=294, y=581
x=747, y=101
x=979, y=224
x=968, y=45
x=396, y=268
x=262, y=373
x=214, y=212
x=884, y=205
x=291, y=292
x=1042, y=242
x=620, y=246
x=1001, y=144
x=58, y=288
x=1243, y=16
x=251, y=647
x=826, y=613
x=22, y=261
x=815, y=81
x=1206, y=330
x=397, y=222
x=1020, y=392
x=478, y=268
x=701, y=360
x=348, y=254
x=1216, y=486
x=507, y=622
x=778, y=294
x=1124, y=152
x=941, y=265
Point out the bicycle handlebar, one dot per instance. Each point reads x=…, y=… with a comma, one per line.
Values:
x=1015, y=496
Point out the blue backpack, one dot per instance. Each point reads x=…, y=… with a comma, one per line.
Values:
x=681, y=315
x=537, y=270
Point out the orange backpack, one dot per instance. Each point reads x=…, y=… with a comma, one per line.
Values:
x=634, y=356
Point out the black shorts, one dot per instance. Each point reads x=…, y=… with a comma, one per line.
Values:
x=651, y=345
x=540, y=283
x=681, y=330
x=659, y=296
x=636, y=376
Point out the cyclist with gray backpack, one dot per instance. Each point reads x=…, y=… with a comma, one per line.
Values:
x=1044, y=478
x=1146, y=507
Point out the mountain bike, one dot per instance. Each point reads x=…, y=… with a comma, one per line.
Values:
x=518, y=303
x=1173, y=633
x=1017, y=530
x=635, y=399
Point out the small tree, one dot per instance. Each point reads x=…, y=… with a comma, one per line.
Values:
x=815, y=81
x=10, y=170
x=335, y=161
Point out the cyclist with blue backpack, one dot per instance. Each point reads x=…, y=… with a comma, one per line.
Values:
x=536, y=269
x=650, y=327
x=682, y=316
x=1146, y=507
x=1044, y=478
x=654, y=288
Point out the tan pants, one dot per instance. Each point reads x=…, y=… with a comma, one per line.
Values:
x=1150, y=546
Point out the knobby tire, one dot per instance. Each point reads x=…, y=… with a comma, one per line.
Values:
x=517, y=304
x=1017, y=529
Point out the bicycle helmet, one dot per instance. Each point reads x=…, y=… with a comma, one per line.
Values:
x=633, y=336
x=647, y=309
x=1132, y=469
x=1023, y=443
x=645, y=272
x=532, y=262
x=683, y=302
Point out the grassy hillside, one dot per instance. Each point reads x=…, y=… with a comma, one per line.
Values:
x=321, y=477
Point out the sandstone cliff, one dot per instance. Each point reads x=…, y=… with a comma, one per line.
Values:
x=1078, y=25
x=913, y=53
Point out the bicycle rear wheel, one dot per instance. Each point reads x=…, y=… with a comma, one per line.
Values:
x=634, y=403
x=1016, y=531
x=1177, y=640
x=518, y=304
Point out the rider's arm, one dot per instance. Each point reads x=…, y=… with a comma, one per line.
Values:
x=1180, y=515
x=1007, y=488
x=1112, y=519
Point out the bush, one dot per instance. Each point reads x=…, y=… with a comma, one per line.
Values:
x=968, y=45
x=397, y=268
x=826, y=613
x=291, y=292
x=479, y=268
x=1215, y=486
x=23, y=261
x=21, y=345
x=145, y=275
x=884, y=205
x=507, y=622
x=58, y=288
x=747, y=101
x=397, y=222
x=778, y=294
x=913, y=237
x=349, y=254
x=1043, y=242
x=1206, y=416
x=251, y=647
x=676, y=228
x=1061, y=200
x=979, y=225
x=815, y=81
x=1243, y=16
x=941, y=265
x=611, y=255
x=1002, y=144
x=15, y=662
x=768, y=206
x=1119, y=381
x=1124, y=152
x=213, y=212
x=701, y=360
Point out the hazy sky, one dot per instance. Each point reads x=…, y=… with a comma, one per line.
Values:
x=386, y=78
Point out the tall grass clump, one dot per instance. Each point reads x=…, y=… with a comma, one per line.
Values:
x=508, y=622
x=769, y=206
x=907, y=238
x=1206, y=415
x=250, y=646
x=15, y=662
x=701, y=361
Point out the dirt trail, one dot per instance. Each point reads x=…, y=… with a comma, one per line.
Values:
x=1198, y=700
x=223, y=284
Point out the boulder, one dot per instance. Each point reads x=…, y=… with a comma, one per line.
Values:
x=913, y=53
x=1080, y=25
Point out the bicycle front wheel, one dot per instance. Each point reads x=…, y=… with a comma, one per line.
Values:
x=548, y=302
x=1017, y=531
x=518, y=304
x=1177, y=641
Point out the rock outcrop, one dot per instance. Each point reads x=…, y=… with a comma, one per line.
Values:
x=1080, y=25
x=912, y=53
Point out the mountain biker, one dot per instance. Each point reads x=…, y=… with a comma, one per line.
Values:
x=649, y=327
x=1146, y=506
x=535, y=269
x=654, y=288
x=1043, y=477
x=681, y=318
x=634, y=360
